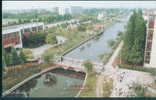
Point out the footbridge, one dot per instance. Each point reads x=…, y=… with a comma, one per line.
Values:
x=77, y=64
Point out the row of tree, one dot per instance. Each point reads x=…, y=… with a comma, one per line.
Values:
x=134, y=39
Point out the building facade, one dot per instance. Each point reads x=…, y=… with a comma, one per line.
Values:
x=12, y=35
x=150, y=47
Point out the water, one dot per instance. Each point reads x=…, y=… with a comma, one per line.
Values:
x=62, y=84
x=93, y=48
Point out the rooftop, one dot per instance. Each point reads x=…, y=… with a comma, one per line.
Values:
x=15, y=28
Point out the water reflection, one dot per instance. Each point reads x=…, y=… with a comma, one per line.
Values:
x=50, y=80
x=55, y=83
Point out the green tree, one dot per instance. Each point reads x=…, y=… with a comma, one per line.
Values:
x=134, y=39
x=88, y=66
x=23, y=57
x=15, y=57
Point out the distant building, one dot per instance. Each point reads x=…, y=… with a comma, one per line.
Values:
x=12, y=35
x=98, y=27
x=76, y=9
x=150, y=48
x=101, y=15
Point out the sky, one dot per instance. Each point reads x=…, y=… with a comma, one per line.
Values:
x=17, y=5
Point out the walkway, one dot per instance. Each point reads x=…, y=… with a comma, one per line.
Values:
x=108, y=71
x=99, y=86
x=37, y=52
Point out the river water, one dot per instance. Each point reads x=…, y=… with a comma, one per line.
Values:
x=93, y=48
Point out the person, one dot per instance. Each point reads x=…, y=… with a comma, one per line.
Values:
x=39, y=60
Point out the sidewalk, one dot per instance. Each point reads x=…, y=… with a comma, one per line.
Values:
x=37, y=52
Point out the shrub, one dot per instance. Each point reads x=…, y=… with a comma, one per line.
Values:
x=27, y=51
x=88, y=66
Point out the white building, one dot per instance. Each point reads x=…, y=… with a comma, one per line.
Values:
x=150, y=48
x=12, y=35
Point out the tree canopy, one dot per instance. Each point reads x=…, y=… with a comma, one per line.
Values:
x=134, y=39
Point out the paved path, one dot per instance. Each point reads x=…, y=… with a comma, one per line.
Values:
x=37, y=52
x=99, y=86
x=109, y=71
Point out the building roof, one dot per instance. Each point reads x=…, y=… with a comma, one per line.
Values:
x=15, y=28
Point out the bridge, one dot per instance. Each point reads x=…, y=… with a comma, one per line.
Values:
x=77, y=64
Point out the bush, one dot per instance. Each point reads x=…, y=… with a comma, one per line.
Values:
x=27, y=51
x=51, y=39
x=48, y=57
x=139, y=90
x=88, y=66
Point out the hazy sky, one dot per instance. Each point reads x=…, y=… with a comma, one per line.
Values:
x=7, y=5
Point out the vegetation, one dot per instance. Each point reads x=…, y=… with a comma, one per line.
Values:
x=23, y=57
x=34, y=40
x=18, y=73
x=51, y=39
x=134, y=39
x=105, y=57
x=48, y=58
x=89, y=88
x=88, y=66
x=111, y=43
x=13, y=58
x=139, y=90
x=36, y=16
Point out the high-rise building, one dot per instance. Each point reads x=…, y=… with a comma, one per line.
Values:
x=150, y=48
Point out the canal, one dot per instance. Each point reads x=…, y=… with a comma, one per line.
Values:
x=93, y=48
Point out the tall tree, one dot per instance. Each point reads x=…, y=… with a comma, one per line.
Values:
x=15, y=57
x=134, y=39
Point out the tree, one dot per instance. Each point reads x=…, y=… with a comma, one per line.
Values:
x=34, y=40
x=23, y=57
x=51, y=39
x=15, y=57
x=134, y=39
x=88, y=66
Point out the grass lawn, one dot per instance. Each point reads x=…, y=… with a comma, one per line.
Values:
x=17, y=74
x=90, y=86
